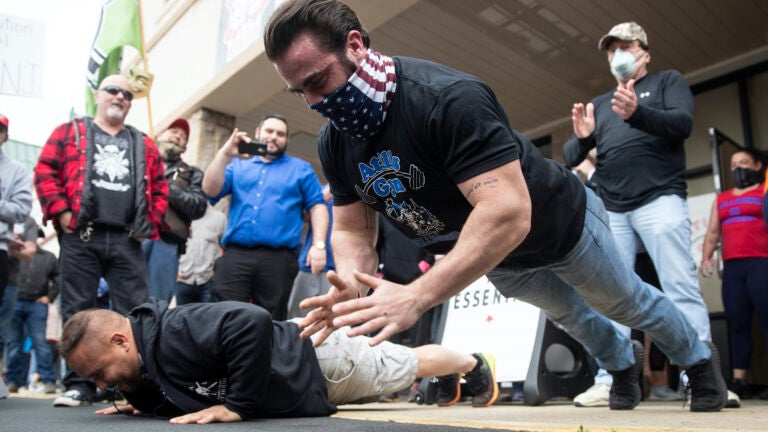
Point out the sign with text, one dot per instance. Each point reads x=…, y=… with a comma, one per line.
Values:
x=22, y=49
x=242, y=25
x=480, y=319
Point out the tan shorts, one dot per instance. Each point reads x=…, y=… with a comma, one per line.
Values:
x=358, y=373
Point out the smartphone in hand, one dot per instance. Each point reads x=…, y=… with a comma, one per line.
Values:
x=251, y=147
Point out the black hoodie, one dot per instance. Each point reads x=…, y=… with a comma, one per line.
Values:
x=200, y=355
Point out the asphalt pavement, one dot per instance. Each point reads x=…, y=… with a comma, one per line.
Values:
x=18, y=414
x=27, y=414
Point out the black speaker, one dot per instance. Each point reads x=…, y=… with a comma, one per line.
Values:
x=560, y=367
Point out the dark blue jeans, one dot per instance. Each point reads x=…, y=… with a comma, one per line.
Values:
x=193, y=293
x=6, y=313
x=162, y=267
x=33, y=316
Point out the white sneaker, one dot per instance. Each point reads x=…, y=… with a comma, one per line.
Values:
x=72, y=398
x=596, y=396
x=3, y=389
x=733, y=400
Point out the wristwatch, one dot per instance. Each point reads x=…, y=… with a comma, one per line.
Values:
x=319, y=244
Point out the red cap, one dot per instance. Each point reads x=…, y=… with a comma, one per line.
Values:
x=4, y=121
x=180, y=123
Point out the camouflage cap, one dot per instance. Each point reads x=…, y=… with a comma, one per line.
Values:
x=627, y=31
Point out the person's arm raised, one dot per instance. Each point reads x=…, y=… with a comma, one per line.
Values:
x=213, y=179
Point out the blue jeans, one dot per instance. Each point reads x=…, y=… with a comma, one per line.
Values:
x=593, y=282
x=6, y=313
x=162, y=267
x=33, y=316
x=664, y=227
x=187, y=293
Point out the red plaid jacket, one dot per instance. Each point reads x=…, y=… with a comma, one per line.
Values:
x=60, y=185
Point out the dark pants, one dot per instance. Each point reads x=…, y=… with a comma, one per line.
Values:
x=745, y=292
x=4, y=270
x=108, y=253
x=7, y=303
x=193, y=293
x=263, y=275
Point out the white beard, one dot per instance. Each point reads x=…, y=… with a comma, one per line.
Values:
x=115, y=112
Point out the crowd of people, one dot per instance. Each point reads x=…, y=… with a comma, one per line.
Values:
x=270, y=322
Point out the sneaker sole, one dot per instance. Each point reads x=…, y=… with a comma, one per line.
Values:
x=68, y=404
x=455, y=399
x=597, y=405
x=492, y=364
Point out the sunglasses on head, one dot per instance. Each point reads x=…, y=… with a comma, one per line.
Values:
x=114, y=90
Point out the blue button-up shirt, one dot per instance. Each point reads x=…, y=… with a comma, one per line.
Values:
x=268, y=200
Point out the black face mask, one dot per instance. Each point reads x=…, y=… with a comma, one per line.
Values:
x=746, y=177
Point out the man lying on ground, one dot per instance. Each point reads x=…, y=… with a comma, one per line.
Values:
x=228, y=361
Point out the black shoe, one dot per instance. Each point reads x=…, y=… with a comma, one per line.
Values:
x=625, y=391
x=481, y=381
x=109, y=394
x=763, y=394
x=739, y=386
x=448, y=389
x=708, y=390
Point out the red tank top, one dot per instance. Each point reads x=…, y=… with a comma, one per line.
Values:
x=743, y=230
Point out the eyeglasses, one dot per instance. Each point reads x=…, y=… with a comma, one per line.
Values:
x=114, y=90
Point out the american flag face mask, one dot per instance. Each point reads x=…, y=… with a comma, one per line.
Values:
x=359, y=107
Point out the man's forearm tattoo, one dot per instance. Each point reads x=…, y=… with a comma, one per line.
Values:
x=480, y=184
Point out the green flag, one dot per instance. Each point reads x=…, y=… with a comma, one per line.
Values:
x=118, y=26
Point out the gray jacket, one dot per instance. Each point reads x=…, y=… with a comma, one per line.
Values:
x=15, y=197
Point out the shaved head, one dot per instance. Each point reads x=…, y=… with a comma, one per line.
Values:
x=98, y=345
x=85, y=327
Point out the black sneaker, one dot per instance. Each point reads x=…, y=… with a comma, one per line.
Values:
x=625, y=391
x=448, y=389
x=739, y=386
x=109, y=394
x=708, y=390
x=763, y=394
x=481, y=381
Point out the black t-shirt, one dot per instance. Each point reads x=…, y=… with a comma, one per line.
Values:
x=643, y=158
x=444, y=127
x=112, y=178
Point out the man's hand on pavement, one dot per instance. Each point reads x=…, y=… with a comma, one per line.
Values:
x=214, y=414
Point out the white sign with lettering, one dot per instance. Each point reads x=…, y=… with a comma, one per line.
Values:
x=22, y=50
x=480, y=319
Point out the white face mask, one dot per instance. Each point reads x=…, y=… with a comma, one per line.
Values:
x=623, y=64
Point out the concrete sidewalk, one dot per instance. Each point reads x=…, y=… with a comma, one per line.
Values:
x=564, y=417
